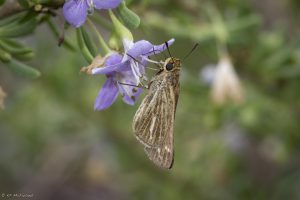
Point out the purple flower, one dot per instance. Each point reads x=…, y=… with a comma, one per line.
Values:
x=124, y=73
x=76, y=11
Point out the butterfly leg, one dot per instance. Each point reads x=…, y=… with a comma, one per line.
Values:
x=138, y=86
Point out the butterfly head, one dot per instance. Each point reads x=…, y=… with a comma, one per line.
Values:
x=172, y=64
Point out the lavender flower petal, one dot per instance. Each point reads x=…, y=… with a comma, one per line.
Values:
x=75, y=12
x=112, y=64
x=110, y=69
x=113, y=58
x=106, y=4
x=133, y=98
x=139, y=48
x=142, y=66
x=107, y=95
x=156, y=49
x=130, y=93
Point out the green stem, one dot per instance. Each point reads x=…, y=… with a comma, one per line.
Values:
x=101, y=41
x=219, y=27
x=85, y=52
x=103, y=22
x=222, y=49
x=68, y=44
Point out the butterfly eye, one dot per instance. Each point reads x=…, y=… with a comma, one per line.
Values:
x=169, y=66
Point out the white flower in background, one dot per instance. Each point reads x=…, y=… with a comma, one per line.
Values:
x=226, y=85
x=2, y=97
x=207, y=74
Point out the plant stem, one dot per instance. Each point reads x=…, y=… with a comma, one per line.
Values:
x=101, y=41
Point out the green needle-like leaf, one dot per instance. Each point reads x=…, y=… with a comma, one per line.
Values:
x=22, y=69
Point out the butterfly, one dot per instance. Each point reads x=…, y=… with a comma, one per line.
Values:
x=153, y=122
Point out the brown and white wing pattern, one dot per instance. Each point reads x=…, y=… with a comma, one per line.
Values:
x=162, y=155
x=154, y=120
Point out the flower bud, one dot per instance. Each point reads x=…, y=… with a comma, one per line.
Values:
x=226, y=84
x=120, y=29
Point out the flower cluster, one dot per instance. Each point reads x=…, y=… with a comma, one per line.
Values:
x=125, y=72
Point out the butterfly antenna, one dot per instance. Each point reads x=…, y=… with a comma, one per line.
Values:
x=191, y=51
x=165, y=56
x=167, y=45
x=153, y=51
x=139, y=62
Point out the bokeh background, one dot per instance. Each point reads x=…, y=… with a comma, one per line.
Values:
x=55, y=146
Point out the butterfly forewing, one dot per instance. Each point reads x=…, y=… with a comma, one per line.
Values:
x=150, y=124
x=154, y=120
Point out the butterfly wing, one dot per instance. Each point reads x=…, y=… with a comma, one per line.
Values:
x=163, y=155
x=154, y=120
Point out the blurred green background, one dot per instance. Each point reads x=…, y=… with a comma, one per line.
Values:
x=55, y=146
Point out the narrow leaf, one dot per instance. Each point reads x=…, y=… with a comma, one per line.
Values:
x=88, y=42
x=4, y=56
x=22, y=69
x=13, y=46
x=84, y=51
